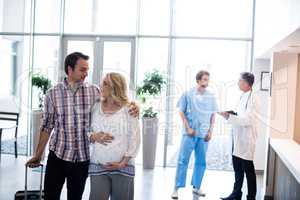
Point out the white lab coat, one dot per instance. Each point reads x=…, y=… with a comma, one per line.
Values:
x=244, y=126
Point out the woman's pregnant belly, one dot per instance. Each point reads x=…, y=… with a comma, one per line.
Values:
x=112, y=152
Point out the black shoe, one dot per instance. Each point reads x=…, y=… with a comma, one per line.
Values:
x=231, y=198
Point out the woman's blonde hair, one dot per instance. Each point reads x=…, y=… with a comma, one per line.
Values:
x=119, y=88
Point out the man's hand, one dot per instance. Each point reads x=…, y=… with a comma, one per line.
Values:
x=102, y=138
x=35, y=161
x=134, y=109
x=224, y=114
x=191, y=132
x=208, y=136
x=115, y=165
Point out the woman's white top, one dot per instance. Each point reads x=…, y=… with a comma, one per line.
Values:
x=124, y=128
x=244, y=125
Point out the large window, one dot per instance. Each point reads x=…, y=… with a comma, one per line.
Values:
x=154, y=24
x=101, y=16
x=14, y=54
x=178, y=37
x=8, y=65
x=224, y=60
x=213, y=18
x=15, y=16
x=78, y=16
x=153, y=55
x=47, y=16
x=116, y=17
x=45, y=61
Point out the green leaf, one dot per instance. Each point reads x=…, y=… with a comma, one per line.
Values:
x=43, y=84
x=151, y=86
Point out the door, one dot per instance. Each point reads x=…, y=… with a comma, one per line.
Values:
x=106, y=54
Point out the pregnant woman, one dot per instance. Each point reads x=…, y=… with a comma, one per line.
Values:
x=115, y=140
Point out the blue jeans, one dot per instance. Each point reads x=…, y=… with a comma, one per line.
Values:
x=188, y=144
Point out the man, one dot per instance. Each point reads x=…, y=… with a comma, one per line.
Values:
x=67, y=112
x=244, y=127
x=196, y=108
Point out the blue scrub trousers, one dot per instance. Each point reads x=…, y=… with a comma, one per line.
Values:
x=188, y=144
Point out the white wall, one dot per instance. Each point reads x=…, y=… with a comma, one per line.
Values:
x=261, y=144
x=275, y=19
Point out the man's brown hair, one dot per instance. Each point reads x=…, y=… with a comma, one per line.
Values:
x=200, y=74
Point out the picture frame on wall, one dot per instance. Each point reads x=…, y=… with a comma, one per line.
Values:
x=265, y=81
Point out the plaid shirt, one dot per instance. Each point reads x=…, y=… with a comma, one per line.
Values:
x=67, y=112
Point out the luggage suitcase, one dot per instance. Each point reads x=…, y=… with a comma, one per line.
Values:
x=31, y=194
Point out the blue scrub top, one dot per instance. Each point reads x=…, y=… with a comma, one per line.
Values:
x=198, y=109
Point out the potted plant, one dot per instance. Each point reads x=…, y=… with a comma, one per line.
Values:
x=42, y=84
x=150, y=88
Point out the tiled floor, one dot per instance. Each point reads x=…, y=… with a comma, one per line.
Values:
x=218, y=154
x=149, y=184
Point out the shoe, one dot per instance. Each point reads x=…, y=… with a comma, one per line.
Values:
x=175, y=194
x=198, y=192
x=231, y=198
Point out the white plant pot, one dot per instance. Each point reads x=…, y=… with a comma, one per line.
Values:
x=150, y=131
x=36, y=120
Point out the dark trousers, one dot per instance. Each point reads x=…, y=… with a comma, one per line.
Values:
x=57, y=171
x=242, y=167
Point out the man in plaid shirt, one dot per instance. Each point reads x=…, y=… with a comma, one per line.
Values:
x=67, y=114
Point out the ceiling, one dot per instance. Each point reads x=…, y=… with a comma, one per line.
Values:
x=290, y=44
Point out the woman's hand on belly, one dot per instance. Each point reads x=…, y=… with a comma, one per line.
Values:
x=102, y=138
x=114, y=165
x=117, y=165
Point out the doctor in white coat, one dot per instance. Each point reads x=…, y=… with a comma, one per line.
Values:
x=244, y=122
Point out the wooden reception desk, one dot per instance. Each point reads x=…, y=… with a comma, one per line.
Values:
x=283, y=170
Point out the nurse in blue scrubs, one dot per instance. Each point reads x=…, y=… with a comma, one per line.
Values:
x=197, y=108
